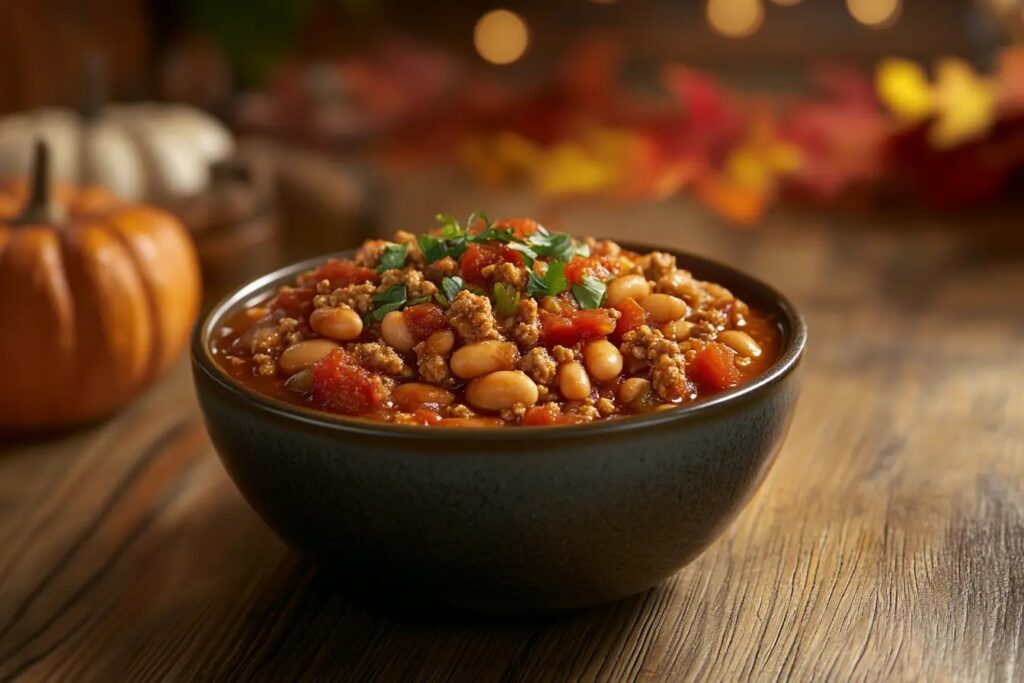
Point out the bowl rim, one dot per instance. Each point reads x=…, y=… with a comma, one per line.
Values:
x=794, y=338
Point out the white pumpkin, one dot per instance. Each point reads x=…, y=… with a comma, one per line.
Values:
x=152, y=152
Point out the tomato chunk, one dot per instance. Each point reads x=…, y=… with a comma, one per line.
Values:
x=340, y=273
x=523, y=227
x=424, y=319
x=569, y=329
x=294, y=302
x=479, y=256
x=713, y=368
x=579, y=267
x=633, y=316
x=342, y=386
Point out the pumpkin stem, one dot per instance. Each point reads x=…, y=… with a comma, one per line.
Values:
x=40, y=207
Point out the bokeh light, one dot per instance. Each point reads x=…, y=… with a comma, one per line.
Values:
x=501, y=36
x=874, y=13
x=735, y=18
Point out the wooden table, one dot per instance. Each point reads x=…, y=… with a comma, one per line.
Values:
x=887, y=543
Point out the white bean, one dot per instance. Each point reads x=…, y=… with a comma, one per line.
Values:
x=633, y=388
x=603, y=360
x=440, y=343
x=396, y=333
x=740, y=342
x=573, y=382
x=678, y=330
x=664, y=308
x=500, y=390
x=303, y=354
x=342, y=324
x=483, y=357
x=412, y=395
x=633, y=286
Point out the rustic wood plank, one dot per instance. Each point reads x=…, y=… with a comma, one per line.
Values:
x=888, y=542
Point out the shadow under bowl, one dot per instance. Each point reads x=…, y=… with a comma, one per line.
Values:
x=506, y=519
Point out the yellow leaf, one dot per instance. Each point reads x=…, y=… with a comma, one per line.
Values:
x=903, y=87
x=569, y=169
x=966, y=101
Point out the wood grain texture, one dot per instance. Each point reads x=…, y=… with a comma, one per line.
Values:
x=887, y=543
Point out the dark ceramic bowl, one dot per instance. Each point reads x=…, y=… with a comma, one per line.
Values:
x=508, y=519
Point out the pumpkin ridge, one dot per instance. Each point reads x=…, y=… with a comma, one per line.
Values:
x=110, y=226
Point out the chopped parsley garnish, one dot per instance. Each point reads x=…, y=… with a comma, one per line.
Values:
x=506, y=299
x=391, y=299
x=557, y=248
x=450, y=288
x=554, y=245
x=553, y=281
x=433, y=248
x=393, y=257
x=589, y=292
x=528, y=254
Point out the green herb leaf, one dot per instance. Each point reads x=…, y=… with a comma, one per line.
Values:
x=391, y=299
x=393, y=257
x=449, y=226
x=506, y=299
x=583, y=249
x=418, y=300
x=528, y=254
x=556, y=245
x=433, y=248
x=589, y=293
x=450, y=288
x=551, y=283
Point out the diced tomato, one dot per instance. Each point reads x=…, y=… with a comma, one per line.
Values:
x=713, y=368
x=633, y=316
x=540, y=416
x=479, y=256
x=340, y=272
x=424, y=319
x=570, y=329
x=342, y=386
x=293, y=301
x=523, y=227
x=579, y=266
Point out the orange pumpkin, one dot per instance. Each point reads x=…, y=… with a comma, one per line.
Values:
x=97, y=298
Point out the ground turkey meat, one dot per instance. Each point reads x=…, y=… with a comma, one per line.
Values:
x=470, y=317
x=539, y=365
x=357, y=297
x=441, y=268
x=460, y=410
x=379, y=357
x=526, y=328
x=657, y=264
x=668, y=377
x=369, y=254
x=432, y=366
x=664, y=357
x=563, y=354
x=416, y=285
x=509, y=273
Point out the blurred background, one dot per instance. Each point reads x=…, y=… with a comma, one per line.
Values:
x=277, y=130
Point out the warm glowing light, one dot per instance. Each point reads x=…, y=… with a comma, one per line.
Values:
x=735, y=18
x=875, y=13
x=501, y=36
